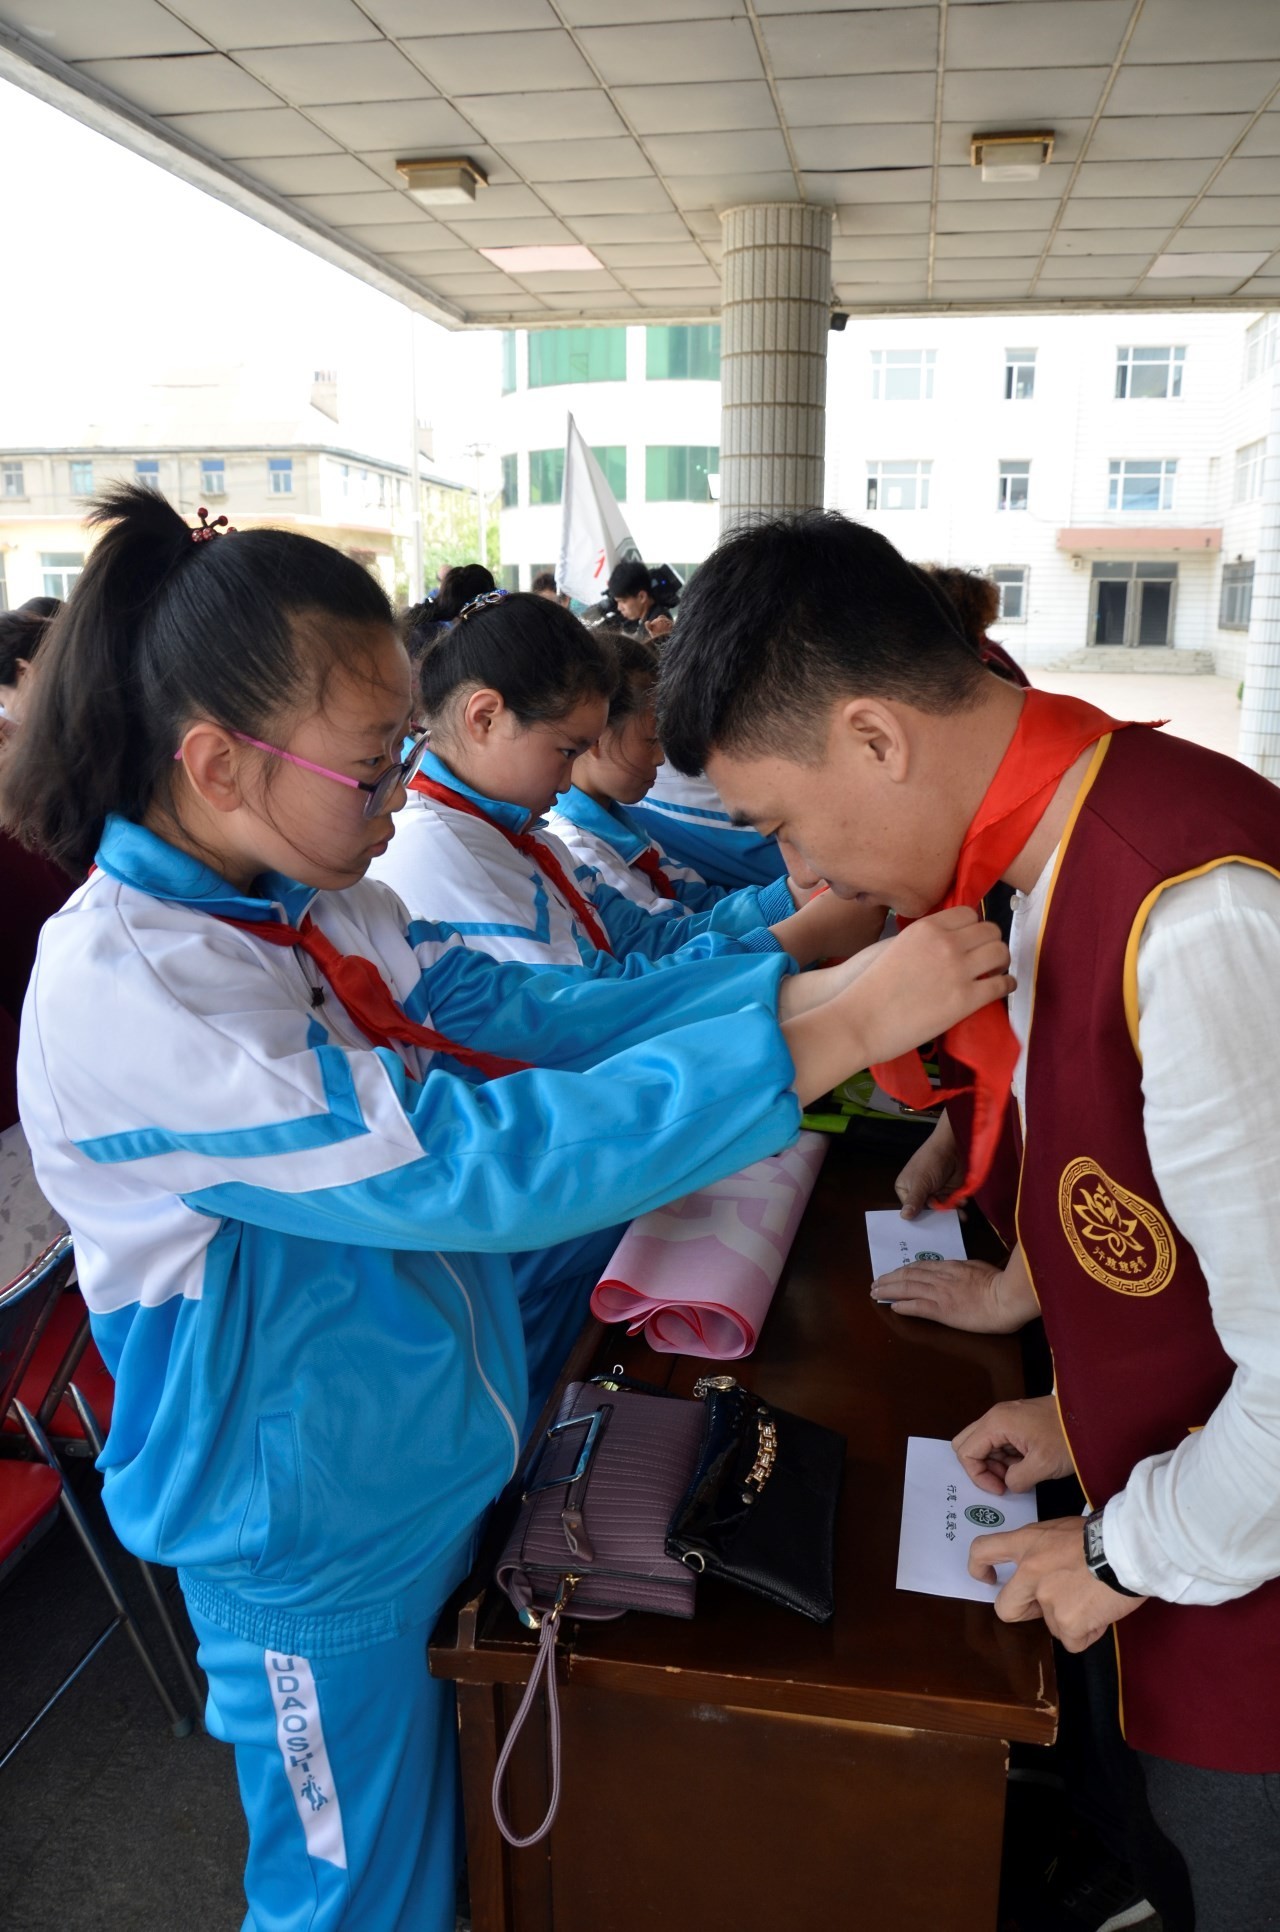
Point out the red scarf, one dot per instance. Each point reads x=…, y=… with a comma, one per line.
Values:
x=367, y=997
x=1052, y=732
x=543, y=857
x=653, y=872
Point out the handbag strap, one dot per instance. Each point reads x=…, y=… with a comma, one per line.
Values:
x=544, y=1667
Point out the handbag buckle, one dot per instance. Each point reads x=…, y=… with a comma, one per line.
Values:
x=593, y=1424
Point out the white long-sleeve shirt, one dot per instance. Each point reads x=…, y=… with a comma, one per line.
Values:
x=1201, y=1523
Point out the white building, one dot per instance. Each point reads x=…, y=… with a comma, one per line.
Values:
x=648, y=402
x=1107, y=468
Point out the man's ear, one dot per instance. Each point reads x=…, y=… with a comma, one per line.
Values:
x=214, y=765
x=875, y=728
x=480, y=713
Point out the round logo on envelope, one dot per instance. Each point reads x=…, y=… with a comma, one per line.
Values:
x=984, y=1515
x=1117, y=1237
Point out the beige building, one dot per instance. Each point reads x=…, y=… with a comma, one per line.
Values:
x=219, y=438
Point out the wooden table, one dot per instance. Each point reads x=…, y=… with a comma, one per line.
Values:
x=750, y=1769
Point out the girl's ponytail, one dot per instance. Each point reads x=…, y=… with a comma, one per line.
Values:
x=540, y=657
x=159, y=630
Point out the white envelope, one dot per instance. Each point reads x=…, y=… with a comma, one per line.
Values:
x=942, y=1512
x=932, y=1236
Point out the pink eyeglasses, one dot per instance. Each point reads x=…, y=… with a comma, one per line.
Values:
x=380, y=790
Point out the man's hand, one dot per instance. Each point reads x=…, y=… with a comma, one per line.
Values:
x=933, y=1172
x=1052, y=1581
x=659, y=626
x=1015, y=1446
x=958, y=1294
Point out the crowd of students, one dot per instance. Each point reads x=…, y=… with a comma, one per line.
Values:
x=394, y=983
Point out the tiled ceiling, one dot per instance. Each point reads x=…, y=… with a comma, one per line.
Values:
x=628, y=125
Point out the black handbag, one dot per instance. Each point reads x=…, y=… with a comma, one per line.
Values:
x=761, y=1508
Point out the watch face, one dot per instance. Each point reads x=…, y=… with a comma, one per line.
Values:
x=1093, y=1539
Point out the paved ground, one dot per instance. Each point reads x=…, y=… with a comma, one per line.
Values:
x=1205, y=710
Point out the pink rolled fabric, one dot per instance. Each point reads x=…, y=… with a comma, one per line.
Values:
x=698, y=1276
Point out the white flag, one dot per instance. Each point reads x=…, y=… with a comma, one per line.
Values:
x=593, y=535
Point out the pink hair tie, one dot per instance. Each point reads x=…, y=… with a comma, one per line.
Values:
x=218, y=528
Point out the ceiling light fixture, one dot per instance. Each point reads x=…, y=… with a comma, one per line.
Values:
x=1010, y=157
x=442, y=183
x=551, y=258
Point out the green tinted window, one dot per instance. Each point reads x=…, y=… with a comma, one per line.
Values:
x=576, y=355
x=689, y=354
x=612, y=458
x=509, y=577
x=677, y=472
x=508, y=361
x=546, y=475
x=510, y=484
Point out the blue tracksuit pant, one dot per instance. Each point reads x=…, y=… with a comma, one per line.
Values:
x=348, y=1776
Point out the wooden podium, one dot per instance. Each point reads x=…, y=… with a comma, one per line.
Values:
x=750, y=1769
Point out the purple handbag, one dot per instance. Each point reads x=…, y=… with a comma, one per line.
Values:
x=590, y=1539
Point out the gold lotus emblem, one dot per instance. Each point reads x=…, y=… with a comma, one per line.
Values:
x=1117, y=1237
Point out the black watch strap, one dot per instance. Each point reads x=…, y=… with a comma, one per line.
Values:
x=1096, y=1557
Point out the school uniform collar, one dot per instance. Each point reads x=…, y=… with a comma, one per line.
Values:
x=610, y=822
x=138, y=857
x=513, y=818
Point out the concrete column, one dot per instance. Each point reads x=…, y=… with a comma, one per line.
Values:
x=773, y=360
x=1260, y=717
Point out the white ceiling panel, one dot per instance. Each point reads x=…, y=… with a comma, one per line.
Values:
x=1207, y=87
x=965, y=183
x=728, y=191
x=1049, y=33
x=856, y=218
x=259, y=130
x=854, y=100
x=991, y=102
x=1246, y=211
x=877, y=184
x=703, y=276
x=369, y=70
x=887, y=248
x=603, y=13
x=415, y=127
x=902, y=40
x=533, y=231
x=628, y=255
x=972, y=247
x=1256, y=177
x=181, y=84
x=285, y=23
x=1149, y=178
x=674, y=110
x=1159, y=137
x=869, y=274
x=1263, y=137
x=756, y=151
x=697, y=50
x=822, y=149
x=638, y=197
x=994, y=217
x=578, y=304
x=90, y=30
x=376, y=221
x=649, y=227
x=400, y=17
x=994, y=289
x=316, y=174
x=1139, y=212
x=430, y=262
x=1084, y=268
x=1185, y=30
x=876, y=295
x=540, y=161
x=1191, y=241
x=1009, y=268
x=498, y=205
x=575, y=114
x=1109, y=241
x=1159, y=289
x=508, y=64
x=1067, y=289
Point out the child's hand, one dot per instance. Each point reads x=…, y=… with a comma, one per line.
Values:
x=936, y=972
x=826, y=927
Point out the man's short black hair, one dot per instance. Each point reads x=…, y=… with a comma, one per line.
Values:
x=783, y=620
x=629, y=578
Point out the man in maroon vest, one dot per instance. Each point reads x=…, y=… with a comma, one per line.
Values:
x=811, y=678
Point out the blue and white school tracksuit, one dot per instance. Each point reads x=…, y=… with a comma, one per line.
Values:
x=459, y=870
x=608, y=839
x=688, y=819
x=294, y=1249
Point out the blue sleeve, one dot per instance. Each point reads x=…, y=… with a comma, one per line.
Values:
x=725, y=854
x=632, y=930
x=542, y=1156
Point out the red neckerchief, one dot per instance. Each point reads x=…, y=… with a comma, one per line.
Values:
x=542, y=856
x=653, y=872
x=366, y=996
x=1052, y=732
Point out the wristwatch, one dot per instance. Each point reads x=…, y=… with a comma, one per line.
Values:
x=1096, y=1556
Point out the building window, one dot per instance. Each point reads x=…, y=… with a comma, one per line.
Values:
x=81, y=480
x=60, y=568
x=546, y=475
x=902, y=375
x=678, y=472
x=898, y=486
x=1014, y=486
x=1012, y=580
x=509, y=577
x=576, y=355
x=510, y=482
x=280, y=475
x=612, y=458
x=1261, y=344
x=683, y=354
x=147, y=472
x=1151, y=373
x=1248, y=479
x=1237, y=597
x=11, y=480
x=213, y=476
x=1019, y=375
x=1141, y=483
x=508, y=361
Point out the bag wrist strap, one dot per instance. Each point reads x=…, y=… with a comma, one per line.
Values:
x=544, y=1667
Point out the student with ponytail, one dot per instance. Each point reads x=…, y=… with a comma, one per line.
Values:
x=295, y=1134
x=514, y=694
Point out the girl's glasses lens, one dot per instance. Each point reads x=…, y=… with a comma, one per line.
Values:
x=391, y=780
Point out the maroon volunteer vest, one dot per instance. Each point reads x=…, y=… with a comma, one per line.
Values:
x=1126, y=1307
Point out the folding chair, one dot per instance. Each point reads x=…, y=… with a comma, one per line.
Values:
x=31, y=1492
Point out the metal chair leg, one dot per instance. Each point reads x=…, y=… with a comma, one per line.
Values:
x=93, y=1435
x=180, y=1722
